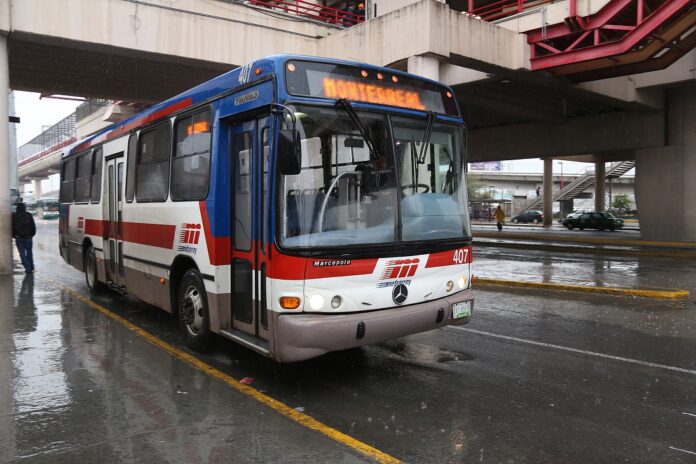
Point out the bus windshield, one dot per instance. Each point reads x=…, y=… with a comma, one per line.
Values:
x=383, y=188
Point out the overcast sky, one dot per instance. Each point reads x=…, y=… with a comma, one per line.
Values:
x=37, y=112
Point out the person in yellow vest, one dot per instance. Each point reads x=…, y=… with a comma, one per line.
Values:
x=499, y=217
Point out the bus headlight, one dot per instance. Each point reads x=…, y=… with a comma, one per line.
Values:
x=336, y=302
x=461, y=282
x=316, y=302
x=449, y=286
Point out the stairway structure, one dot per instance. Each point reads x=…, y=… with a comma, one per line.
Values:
x=583, y=183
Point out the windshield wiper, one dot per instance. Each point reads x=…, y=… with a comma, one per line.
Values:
x=355, y=119
x=426, y=137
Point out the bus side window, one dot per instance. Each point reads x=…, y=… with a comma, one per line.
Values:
x=191, y=163
x=152, y=170
x=95, y=192
x=130, y=174
x=82, y=177
x=67, y=184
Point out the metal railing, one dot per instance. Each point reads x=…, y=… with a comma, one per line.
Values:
x=312, y=11
x=57, y=136
x=90, y=107
x=503, y=8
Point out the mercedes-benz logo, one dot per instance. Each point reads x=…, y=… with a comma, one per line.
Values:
x=399, y=294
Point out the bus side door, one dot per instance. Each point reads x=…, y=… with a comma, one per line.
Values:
x=249, y=145
x=113, y=208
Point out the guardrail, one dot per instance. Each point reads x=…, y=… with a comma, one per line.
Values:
x=503, y=8
x=312, y=11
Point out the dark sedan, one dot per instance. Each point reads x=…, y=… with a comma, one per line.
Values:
x=529, y=216
x=594, y=220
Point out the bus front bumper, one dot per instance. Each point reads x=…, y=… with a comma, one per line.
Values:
x=304, y=336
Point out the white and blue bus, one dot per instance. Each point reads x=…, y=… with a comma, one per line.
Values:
x=295, y=205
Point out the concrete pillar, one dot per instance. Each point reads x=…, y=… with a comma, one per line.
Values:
x=600, y=186
x=548, y=192
x=665, y=190
x=37, y=189
x=424, y=66
x=5, y=213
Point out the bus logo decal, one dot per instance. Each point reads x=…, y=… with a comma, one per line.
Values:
x=190, y=234
x=400, y=268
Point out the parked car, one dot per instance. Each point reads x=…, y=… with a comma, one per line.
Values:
x=529, y=216
x=594, y=220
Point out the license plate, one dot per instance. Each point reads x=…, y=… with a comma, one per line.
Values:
x=462, y=309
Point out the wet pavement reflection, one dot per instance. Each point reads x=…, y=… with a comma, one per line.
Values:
x=79, y=388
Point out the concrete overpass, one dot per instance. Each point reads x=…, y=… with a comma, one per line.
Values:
x=147, y=50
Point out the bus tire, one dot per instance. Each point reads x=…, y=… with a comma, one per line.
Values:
x=91, y=273
x=192, y=301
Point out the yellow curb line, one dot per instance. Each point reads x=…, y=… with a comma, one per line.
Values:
x=588, y=240
x=293, y=414
x=675, y=294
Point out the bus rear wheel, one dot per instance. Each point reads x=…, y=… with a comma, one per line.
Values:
x=194, y=317
x=91, y=274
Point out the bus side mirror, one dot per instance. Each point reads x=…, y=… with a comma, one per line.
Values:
x=289, y=152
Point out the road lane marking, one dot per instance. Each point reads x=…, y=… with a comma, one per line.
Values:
x=576, y=350
x=294, y=415
x=682, y=450
x=689, y=414
x=661, y=294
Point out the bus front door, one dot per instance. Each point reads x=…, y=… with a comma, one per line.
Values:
x=113, y=206
x=249, y=167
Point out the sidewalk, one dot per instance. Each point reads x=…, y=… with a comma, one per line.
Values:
x=558, y=238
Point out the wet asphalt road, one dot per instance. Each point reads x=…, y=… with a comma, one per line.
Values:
x=536, y=377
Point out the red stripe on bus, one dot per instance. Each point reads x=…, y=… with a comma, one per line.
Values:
x=323, y=268
x=450, y=258
x=157, y=235
x=286, y=267
x=95, y=227
x=119, y=131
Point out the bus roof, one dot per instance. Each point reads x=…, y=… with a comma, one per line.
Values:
x=214, y=87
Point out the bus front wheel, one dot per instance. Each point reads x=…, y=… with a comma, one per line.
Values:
x=192, y=302
x=91, y=274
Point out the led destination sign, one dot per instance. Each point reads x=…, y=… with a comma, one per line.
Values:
x=372, y=93
x=327, y=80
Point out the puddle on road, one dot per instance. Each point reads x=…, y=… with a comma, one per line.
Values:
x=425, y=353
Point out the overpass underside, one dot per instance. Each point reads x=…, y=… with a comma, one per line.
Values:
x=146, y=51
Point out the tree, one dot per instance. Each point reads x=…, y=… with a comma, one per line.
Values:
x=621, y=203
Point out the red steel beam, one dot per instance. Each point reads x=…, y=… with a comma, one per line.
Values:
x=641, y=31
x=601, y=18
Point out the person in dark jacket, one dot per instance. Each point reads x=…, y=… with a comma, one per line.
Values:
x=23, y=230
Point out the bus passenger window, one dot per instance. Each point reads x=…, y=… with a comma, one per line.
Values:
x=152, y=171
x=82, y=178
x=130, y=166
x=95, y=193
x=191, y=163
x=67, y=185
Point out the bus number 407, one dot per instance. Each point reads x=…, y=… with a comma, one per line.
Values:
x=460, y=256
